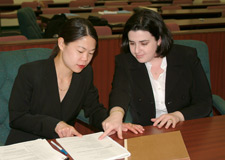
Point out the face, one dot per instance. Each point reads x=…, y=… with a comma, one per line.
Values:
x=78, y=54
x=143, y=45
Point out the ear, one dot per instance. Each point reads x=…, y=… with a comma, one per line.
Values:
x=159, y=41
x=61, y=43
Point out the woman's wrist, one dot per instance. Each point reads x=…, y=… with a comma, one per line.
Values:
x=117, y=110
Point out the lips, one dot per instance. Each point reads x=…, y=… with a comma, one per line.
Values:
x=139, y=56
x=82, y=66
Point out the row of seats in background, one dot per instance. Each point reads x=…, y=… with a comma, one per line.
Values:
x=109, y=18
x=77, y=3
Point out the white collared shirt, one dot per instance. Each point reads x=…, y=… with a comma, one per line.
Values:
x=158, y=86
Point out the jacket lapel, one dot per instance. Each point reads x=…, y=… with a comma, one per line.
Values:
x=173, y=73
x=141, y=79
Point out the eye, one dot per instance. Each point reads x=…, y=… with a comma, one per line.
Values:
x=79, y=51
x=144, y=43
x=131, y=43
x=91, y=53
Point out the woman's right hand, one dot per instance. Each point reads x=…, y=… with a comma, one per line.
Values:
x=65, y=130
x=113, y=124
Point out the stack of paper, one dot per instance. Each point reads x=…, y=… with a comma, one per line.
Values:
x=90, y=148
x=37, y=149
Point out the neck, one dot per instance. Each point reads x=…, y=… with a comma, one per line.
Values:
x=63, y=72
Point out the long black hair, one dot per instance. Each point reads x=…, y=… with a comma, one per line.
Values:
x=73, y=30
x=151, y=21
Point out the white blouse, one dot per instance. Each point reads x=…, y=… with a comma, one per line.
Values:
x=158, y=86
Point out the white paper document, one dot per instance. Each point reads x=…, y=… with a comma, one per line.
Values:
x=38, y=149
x=89, y=147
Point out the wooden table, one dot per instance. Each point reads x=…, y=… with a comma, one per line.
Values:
x=200, y=23
x=204, y=138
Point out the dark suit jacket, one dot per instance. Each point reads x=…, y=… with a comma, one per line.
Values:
x=187, y=88
x=35, y=106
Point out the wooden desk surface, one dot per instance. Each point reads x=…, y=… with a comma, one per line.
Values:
x=204, y=138
x=200, y=23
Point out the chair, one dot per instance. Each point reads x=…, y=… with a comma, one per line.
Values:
x=171, y=7
x=28, y=23
x=10, y=61
x=55, y=10
x=45, y=3
x=172, y=26
x=116, y=18
x=130, y=7
x=80, y=3
x=103, y=30
x=33, y=4
x=202, y=52
x=182, y=2
x=6, y=1
x=141, y=3
x=115, y=3
x=13, y=38
x=104, y=9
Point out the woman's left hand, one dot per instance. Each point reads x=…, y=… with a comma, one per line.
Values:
x=167, y=120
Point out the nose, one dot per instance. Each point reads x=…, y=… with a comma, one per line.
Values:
x=137, y=49
x=85, y=56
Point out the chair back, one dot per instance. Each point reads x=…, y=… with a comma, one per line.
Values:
x=55, y=10
x=103, y=30
x=13, y=38
x=171, y=7
x=6, y=2
x=10, y=61
x=33, y=4
x=104, y=9
x=172, y=26
x=44, y=3
x=141, y=3
x=202, y=52
x=28, y=23
x=115, y=3
x=130, y=7
x=116, y=18
x=80, y=3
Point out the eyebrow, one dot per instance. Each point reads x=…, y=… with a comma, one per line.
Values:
x=86, y=48
x=139, y=41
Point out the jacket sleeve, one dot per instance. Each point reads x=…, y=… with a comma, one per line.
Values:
x=120, y=94
x=22, y=116
x=93, y=109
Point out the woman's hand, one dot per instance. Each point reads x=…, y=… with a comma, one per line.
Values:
x=167, y=120
x=65, y=130
x=135, y=128
x=113, y=123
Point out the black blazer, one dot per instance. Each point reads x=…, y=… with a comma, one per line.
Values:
x=187, y=88
x=35, y=107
